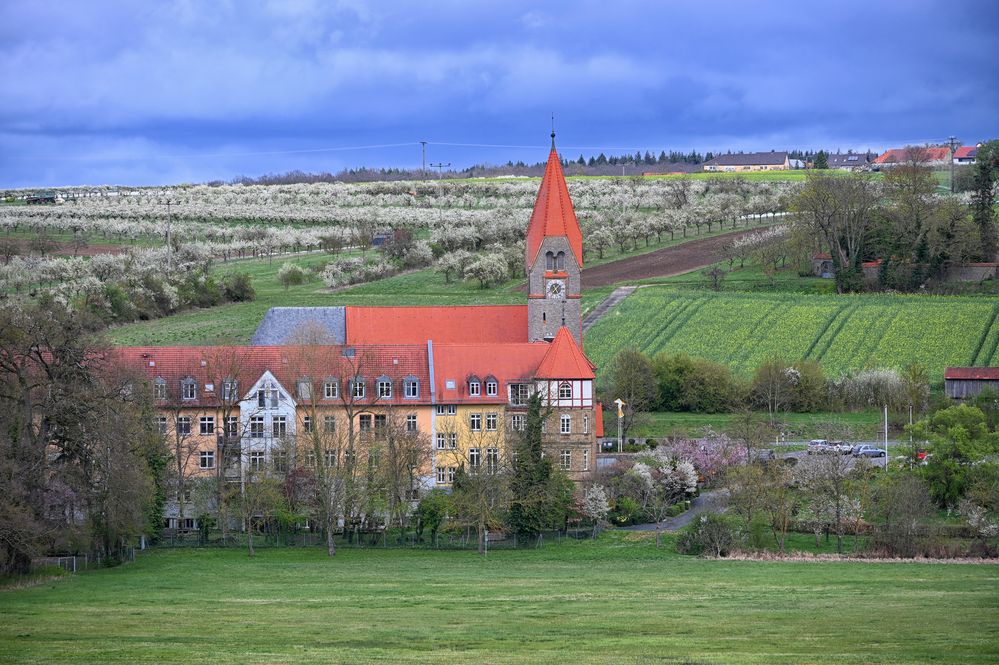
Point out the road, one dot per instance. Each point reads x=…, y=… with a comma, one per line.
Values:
x=713, y=501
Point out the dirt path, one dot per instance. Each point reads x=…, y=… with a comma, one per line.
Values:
x=606, y=305
x=712, y=501
x=665, y=262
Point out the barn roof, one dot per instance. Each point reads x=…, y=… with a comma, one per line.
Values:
x=748, y=159
x=972, y=373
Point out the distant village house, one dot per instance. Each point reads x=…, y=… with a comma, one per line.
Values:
x=749, y=161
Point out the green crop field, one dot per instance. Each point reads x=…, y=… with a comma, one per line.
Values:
x=616, y=600
x=843, y=333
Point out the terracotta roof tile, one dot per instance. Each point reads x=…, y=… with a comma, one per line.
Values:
x=565, y=360
x=973, y=373
x=553, y=213
x=416, y=325
x=454, y=364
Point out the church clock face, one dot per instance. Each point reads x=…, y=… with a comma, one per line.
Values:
x=556, y=289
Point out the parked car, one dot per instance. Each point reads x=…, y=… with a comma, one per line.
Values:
x=841, y=447
x=869, y=451
x=817, y=447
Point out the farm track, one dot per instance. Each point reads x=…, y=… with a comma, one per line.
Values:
x=976, y=358
x=839, y=328
x=665, y=262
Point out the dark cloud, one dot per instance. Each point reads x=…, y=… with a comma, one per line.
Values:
x=119, y=92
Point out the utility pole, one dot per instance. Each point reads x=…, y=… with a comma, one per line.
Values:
x=440, y=166
x=953, y=143
x=423, y=175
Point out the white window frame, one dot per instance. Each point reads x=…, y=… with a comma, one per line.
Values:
x=231, y=426
x=492, y=459
x=441, y=441
x=183, y=425
x=491, y=422
x=441, y=474
x=257, y=460
x=331, y=389
x=452, y=440
x=565, y=424
x=206, y=425
x=586, y=460
x=329, y=424
x=492, y=388
x=384, y=389
x=474, y=457
x=256, y=427
x=188, y=390
x=307, y=424
x=162, y=424
x=518, y=422
x=586, y=423
x=304, y=389
x=159, y=388
x=229, y=391
x=357, y=388
x=206, y=459
x=474, y=388
x=565, y=459
x=279, y=426
x=565, y=390
x=475, y=422
x=411, y=389
x=411, y=423
x=450, y=473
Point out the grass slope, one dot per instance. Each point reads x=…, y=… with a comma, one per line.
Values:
x=616, y=600
x=843, y=332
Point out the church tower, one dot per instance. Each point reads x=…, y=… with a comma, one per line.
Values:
x=554, y=259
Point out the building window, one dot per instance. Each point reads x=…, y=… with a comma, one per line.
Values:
x=331, y=389
x=188, y=389
x=411, y=422
x=307, y=424
x=411, y=389
x=447, y=409
x=474, y=457
x=257, y=460
x=565, y=460
x=159, y=388
x=474, y=388
x=565, y=424
x=281, y=461
x=452, y=440
x=560, y=261
x=161, y=424
x=441, y=474
x=231, y=425
x=305, y=389
x=257, y=427
x=475, y=422
x=264, y=395
x=450, y=473
x=183, y=425
x=279, y=426
x=358, y=388
x=329, y=424
x=549, y=261
x=586, y=460
x=492, y=388
x=384, y=388
x=310, y=460
x=565, y=390
x=586, y=423
x=441, y=441
x=520, y=394
x=207, y=424
x=364, y=422
x=381, y=424
x=518, y=422
x=492, y=459
x=229, y=392
x=331, y=459
x=490, y=422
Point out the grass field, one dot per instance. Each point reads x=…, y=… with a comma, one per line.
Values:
x=616, y=600
x=844, y=333
x=859, y=425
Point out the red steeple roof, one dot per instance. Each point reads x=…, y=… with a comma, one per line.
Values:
x=564, y=360
x=553, y=214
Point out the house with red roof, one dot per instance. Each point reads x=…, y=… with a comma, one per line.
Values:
x=336, y=385
x=924, y=155
x=966, y=154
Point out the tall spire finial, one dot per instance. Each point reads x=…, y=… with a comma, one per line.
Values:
x=553, y=131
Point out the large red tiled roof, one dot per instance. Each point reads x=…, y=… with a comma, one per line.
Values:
x=966, y=152
x=972, y=373
x=900, y=155
x=564, y=359
x=416, y=325
x=288, y=364
x=454, y=364
x=553, y=213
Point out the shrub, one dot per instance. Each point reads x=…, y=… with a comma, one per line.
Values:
x=713, y=534
x=625, y=511
x=237, y=287
x=291, y=274
x=694, y=384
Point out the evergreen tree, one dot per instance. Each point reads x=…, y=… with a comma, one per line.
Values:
x=662, y=157
x=821, y=160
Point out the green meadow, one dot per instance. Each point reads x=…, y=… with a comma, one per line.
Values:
x=615, y=600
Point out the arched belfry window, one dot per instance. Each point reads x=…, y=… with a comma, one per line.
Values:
x=549, y=261
x=560, y=261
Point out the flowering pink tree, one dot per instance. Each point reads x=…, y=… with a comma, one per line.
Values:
x=711, y=455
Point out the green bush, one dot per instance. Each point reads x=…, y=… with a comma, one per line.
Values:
x=237, y=287
x=711, y=535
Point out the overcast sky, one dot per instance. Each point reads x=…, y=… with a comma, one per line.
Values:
x=164, y=92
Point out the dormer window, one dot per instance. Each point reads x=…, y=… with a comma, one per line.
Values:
x=565, y=390
x=229, y=389
x=474, y=387
x=492, y=387
x=384, y=387
x=357, y=387
x=188, y=389
x=411, y=387
x=159, y=388
x=331, y=389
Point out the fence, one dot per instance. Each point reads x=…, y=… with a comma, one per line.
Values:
x=80, y=562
